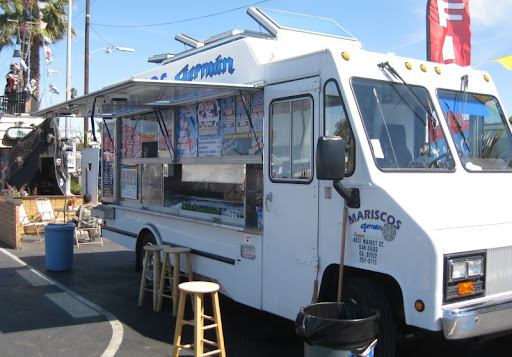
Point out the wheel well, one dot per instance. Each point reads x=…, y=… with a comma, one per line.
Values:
x=329, y=287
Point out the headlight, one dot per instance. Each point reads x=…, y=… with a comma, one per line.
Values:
x=475, y=267
x=459, y=269
x=465, y=276
x=464, y=268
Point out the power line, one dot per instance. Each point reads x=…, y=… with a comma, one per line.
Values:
x=185, y=20
x=96, y=32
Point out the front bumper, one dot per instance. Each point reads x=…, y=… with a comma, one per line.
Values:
x=478, y=319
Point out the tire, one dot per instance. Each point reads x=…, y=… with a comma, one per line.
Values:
x=147, y=239
x=367, y=292
x=329, y=286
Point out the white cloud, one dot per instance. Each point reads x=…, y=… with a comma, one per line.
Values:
x=490, y=12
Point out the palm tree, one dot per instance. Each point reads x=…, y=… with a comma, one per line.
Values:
x=54, y=14
x=9, y=30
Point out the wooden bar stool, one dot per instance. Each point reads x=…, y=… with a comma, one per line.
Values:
x=198, y=289
x=173, y=274
x=151, y=262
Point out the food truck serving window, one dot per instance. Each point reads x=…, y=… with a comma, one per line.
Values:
x=402, y=126
x=291, y=127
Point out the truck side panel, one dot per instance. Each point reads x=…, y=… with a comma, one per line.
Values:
x=216, y=250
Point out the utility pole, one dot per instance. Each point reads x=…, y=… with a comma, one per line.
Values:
x=86, y=69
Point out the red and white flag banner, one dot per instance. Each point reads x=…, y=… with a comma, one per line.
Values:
x=448, y=32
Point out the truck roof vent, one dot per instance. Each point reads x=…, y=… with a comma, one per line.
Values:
x=160, y=58
x=189, y=41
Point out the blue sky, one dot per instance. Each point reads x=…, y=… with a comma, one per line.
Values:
x=383, y=26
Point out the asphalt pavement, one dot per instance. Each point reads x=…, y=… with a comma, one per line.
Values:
x=91, y=310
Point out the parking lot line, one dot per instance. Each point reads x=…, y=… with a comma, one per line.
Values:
x=116, y=325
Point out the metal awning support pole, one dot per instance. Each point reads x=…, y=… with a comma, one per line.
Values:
x=165, y=133
x=86, y=69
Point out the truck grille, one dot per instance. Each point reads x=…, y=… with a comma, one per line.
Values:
x=499, y=271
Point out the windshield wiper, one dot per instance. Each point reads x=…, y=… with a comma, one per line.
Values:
x=386, y=66
x=464, y=89
x=427, y=107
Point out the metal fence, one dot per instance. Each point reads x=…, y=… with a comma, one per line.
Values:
x=13, y=103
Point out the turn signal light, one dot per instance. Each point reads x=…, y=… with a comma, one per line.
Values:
x=345, y=56
x=465, y=288
x=419, y=306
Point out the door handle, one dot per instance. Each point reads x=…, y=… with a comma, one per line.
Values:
x=268, y=198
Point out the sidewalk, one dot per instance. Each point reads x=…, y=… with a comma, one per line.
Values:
x=92, y=310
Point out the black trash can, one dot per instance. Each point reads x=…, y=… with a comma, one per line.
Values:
x=59, y=246
x=336, y=329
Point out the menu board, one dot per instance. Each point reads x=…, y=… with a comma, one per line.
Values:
x=208, y=119
x=131, y=144
x=130, y=181
x=212, y=128
x=108, y=158
x=237, y=136
x=228, y=125
x=168, y=119
x=257, y=109
x=187, y=131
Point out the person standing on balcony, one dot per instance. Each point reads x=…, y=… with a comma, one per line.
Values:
x=12, y=79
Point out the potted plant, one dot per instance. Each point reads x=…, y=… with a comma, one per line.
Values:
x=70, y=203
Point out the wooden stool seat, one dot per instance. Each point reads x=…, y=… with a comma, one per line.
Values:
x=172, y=274
x=200, y=287
x=197, y=289
x=151, y=263
x=153, y=248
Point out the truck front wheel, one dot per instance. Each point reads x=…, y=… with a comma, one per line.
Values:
x=365, y=291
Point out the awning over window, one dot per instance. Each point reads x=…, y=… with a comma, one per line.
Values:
x=136, y=95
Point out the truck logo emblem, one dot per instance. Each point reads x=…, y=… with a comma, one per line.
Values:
x=389, y=232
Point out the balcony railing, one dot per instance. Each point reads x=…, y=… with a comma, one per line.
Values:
x=14, y=103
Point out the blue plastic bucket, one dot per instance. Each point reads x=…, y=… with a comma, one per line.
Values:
x=59, y=246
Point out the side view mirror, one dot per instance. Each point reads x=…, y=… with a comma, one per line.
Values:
x=330, y=158
x=330, y=165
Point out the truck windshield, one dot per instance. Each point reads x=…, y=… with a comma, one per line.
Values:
x=402, y=128
x=479, y=130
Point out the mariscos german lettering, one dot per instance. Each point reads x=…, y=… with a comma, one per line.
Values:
x=375, y=214
x=205, y=70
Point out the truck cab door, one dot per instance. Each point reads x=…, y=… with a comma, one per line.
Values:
x=290, y=243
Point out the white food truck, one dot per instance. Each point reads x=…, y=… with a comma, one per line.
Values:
x=248, y=148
